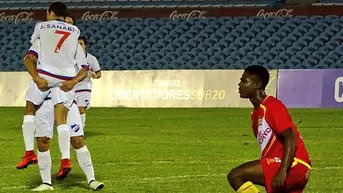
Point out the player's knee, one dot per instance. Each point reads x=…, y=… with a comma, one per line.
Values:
x=233, y=175
x=43, y=144
x=30, y=108
x=60, y=113
x=77, y=142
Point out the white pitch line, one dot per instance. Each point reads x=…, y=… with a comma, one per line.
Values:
x=14, y=187
x=328, y=168
x=152, y=178
x=178, y=177
x=131, y=180
x=174, y=162
x=134, y=163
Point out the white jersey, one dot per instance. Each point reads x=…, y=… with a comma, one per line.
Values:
x=35, y=50
x=58, y=49
x=94, y=66
x=37, y=97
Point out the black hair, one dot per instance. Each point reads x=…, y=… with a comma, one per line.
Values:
x=84, y=40
x=260, y=72
x=60, y=9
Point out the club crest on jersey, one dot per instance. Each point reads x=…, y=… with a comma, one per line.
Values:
x=75, y=127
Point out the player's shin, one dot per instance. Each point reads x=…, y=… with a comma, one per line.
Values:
x=29, y=127
x=248, y=187
x=83, y=118
x=64, y=145
x=85, y=162
x=64, y=140
x=44, y=164
x=44, y=159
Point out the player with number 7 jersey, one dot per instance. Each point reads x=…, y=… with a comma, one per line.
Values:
x=59, y=41
x=56, y=76
x=57, y=57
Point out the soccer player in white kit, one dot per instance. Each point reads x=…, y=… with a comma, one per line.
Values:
x=44, y=120
x=45, y=114
x=84, y=88
x=56, y=76
x=31, y=106
x=29, y=126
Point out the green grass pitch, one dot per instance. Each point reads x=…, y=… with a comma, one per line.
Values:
x=171, y=150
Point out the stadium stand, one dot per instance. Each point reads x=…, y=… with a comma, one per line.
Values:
x=211, y=43
x=94, y=4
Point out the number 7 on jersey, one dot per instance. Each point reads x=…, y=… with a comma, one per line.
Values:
x=63, y=38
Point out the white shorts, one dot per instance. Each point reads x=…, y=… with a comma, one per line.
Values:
x=53, y=80
x=57, y=95
x=45, y=120
x=34, y=95
x=83, y=98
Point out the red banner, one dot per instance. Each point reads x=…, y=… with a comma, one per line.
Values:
x=174, y=13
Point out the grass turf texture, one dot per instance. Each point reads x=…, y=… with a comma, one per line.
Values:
x=171, y=150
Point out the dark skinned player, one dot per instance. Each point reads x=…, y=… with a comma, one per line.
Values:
x=284, y=166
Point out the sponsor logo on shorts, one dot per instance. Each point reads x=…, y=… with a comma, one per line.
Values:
x=75, y=127
x=273, y=160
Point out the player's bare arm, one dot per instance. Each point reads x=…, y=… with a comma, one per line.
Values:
x=289, y=139
x=31, y=67
x=83, y=73
x=69, y=84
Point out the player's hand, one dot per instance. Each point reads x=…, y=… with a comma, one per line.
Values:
x=279, y=179
x=67, y=85
x=94, y=75
x=42, y=84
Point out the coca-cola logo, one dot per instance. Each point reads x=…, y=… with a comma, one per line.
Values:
x=113, y=15
x=279, y=13
x=193, y=14
x=19, y=17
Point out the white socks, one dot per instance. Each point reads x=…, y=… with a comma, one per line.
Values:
x=29, y=128
x=44, y=164
x=85, y=162
x=64, y=140
x=83, y=118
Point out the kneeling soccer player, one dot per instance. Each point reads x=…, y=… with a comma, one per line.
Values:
x=285, y=165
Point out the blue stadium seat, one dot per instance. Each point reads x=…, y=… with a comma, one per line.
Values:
x=210, y=43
